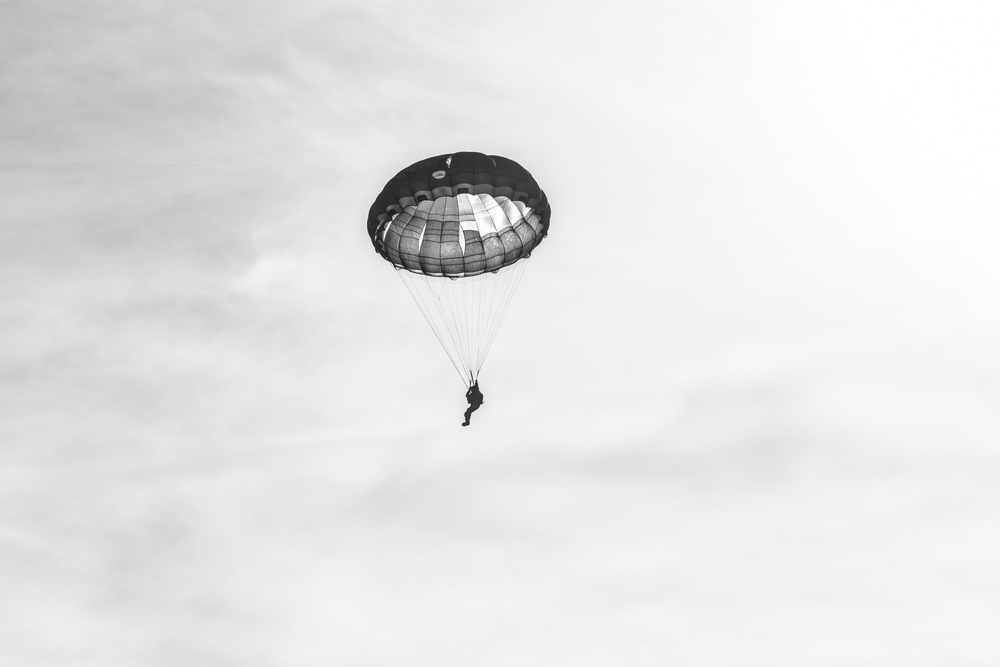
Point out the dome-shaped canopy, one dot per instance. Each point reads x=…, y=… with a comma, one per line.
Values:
x=458, y=215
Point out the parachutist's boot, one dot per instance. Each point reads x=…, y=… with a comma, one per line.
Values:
x=465, y=423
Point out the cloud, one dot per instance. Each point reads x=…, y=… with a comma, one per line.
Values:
x=754, y=371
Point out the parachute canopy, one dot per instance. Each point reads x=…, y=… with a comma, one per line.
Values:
x=459, y=229
x=458, y=215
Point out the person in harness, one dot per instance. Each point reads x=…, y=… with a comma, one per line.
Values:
x=475, y=399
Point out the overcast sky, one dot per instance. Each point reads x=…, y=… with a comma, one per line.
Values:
x=743, y=409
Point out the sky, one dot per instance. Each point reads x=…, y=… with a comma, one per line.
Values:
x=742, y=410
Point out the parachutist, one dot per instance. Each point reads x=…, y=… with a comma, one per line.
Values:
x=475, y=399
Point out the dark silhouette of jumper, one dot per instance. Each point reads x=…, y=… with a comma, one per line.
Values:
x=475, y=398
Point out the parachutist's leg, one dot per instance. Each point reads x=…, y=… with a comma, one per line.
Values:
x=468, y=413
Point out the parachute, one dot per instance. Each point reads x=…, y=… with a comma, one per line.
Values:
x=459, y=229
